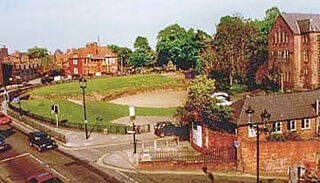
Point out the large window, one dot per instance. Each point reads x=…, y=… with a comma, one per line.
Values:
x=291, y=125
x=75, y=61
x=75, y=70
x=306, y=123
x=306, y=55
x=276, y=127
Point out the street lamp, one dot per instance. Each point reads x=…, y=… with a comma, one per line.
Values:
x=83, y=86
x=264, y=117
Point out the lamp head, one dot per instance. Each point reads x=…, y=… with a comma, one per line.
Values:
x=83, y=83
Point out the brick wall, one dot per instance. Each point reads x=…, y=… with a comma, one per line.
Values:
x=276, y=157
x=213, y=140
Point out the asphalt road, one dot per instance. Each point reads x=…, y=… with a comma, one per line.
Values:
x=22, y=161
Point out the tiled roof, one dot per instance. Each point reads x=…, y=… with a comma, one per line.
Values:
x=302, y=22
x=281, y=107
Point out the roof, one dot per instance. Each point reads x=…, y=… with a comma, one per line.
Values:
x=281, y=107
x=300, y=23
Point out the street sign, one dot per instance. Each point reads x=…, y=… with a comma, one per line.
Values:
x=130, y=132
x=131, y=111
x=16, y=100
x=236, y=144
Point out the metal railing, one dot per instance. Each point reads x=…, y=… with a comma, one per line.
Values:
x=218, y=155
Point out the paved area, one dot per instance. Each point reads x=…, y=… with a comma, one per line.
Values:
x=154, y=99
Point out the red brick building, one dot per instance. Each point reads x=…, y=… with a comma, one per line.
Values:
x=291, y=140
x=294, y=48
x=22, y=64
x=90, y=60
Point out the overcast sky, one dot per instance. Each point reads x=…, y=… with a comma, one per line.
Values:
x=73, y=23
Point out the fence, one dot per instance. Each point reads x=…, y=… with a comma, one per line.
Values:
x=217, y=156
x=109, y=128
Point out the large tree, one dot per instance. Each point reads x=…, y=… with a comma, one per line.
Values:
x=181, y=47
x=143, y=55
x=236, y=43
x=202, y=107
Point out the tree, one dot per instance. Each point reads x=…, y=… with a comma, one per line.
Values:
x=181, y=47
x=45, y=59
x=236, y=43
x=141, y=43
x=123, y=54
x=201, y=107
x=143, y=56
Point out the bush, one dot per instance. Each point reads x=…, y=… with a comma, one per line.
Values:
x=238, y=89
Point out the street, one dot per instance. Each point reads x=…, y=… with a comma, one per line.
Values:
x=22, y=161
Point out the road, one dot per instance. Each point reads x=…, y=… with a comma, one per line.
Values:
x=22, y=161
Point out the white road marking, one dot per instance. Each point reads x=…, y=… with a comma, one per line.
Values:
x=126, y=176
x=14, y=157
x=60, y=175
x=37, y=159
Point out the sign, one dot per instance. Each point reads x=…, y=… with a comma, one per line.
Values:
x=197, y=135
x=16, y=100
x=236, y=144
x=131, y=132
x=131, y=111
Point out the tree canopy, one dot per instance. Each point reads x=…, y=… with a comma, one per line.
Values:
x=143, y=55
x=201, y=107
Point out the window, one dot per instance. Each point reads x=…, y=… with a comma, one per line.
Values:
x=252, y=132
x=291, y=125
x=306, y=55
x=275, y=38
x=75, y=61
x=306, y=123
x=286, y=55
x=75, y=70
x=276, y=127
x=305, y=71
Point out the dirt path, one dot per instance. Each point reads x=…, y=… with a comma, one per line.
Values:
x=154, y=99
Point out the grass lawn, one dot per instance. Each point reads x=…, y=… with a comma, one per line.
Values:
x=74, y=112
x=107, y=86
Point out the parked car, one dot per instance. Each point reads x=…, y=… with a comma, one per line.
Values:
x=167, y=128
x=44, y=177
x=4, y=119
x=47, y=79
x=41, y=141
x=4, y=146
x=223, y=97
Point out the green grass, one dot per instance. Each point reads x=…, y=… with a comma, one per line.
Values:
x=107, y=86
x=74, y=112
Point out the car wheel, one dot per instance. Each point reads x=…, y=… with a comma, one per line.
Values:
x=30, y=144
x=39, y=149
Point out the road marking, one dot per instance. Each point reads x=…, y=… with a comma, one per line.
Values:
x=36, y=158
x=126, y=176
x=60, y=175
x=14, y=157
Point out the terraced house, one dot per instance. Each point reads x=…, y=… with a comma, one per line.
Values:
x=92, y=59
x=294, y=45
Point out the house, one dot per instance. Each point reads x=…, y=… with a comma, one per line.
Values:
x=289, y=137
x=293, y=45
x=92, y=59
x=20, y=65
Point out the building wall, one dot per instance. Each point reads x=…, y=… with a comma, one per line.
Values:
x=242, y=132
x=213, y=140
x=297, y=73
x=276, y=157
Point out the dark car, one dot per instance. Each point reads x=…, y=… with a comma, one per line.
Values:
x=47, y=79
x=166, y=128
x=41, y=141
x=44, y=177
x=4, y=146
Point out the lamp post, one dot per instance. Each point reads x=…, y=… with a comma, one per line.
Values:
x=265, y=115
x=18, y=78
x=83, y=86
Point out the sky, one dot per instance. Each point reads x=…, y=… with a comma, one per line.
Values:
x=63, y=24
